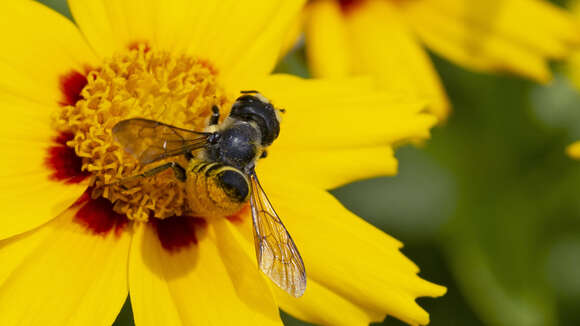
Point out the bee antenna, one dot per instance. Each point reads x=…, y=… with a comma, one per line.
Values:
x=249, y=92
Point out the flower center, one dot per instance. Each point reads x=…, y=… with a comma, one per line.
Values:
x=177, y=90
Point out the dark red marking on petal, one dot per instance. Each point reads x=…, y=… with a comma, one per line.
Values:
x=98, y=216
x=346, y=3
x=205, y=63
x=85, y=197
x=235, y=219
x=136, y=45
x=240, y=216
x=348, y=6
x=71, y=86
x=178, y=232
x=64, y=162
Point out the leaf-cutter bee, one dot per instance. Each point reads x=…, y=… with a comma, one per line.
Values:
x=220, y=177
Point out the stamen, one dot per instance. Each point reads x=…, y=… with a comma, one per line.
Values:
x=177, y=90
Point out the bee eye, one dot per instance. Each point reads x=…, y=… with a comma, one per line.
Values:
x=234, y=184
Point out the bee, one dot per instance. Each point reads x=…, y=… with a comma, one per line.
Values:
x=220, y=176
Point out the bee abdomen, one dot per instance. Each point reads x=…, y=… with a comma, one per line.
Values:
x=234, y=184
x=216, y=190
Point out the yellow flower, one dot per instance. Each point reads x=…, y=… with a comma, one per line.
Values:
x=75, y=243
x=386, y=38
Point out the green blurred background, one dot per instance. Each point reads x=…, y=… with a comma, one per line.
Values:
x=488, y=207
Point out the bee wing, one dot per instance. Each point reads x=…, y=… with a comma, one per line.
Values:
x=150, y=140
x=277, y=254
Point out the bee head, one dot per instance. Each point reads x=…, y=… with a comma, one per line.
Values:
x=253, y=107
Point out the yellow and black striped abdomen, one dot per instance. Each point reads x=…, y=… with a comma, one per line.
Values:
x=216, y=190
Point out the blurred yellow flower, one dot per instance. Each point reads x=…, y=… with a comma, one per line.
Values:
x=574, y=60
x=573, y=71
x=574, y=150
x=386, y=38
x=71, y=249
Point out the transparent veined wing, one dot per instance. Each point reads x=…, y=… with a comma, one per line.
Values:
x=150, y=140
x=276, y=252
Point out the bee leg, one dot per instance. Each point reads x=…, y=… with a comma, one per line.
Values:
x=249, y=92
x=264, y=154
x=215, y=115
x=178, y=170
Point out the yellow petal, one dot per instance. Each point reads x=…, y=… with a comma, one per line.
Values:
x=241, y=39
x=509, y=35
x=318, y=305
x=293, y=35
x=329, y=169
x=240, y=261
x=190, y=286
x=321, y=306
x=349, y=256
x=249, y=38
x=313, y=89
x=110, y=26
x=30, y=29
x=574, y=150
x=62, y=274
x=343, y=127
x=326, y=38
x=342, y=114
x=383, y=45
x=31, y=194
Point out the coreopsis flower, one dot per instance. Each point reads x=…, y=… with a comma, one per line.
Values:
x=387, y=38
x=75, y=241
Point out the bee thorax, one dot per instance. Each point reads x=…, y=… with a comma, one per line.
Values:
x=238, y=146
x=256, y=109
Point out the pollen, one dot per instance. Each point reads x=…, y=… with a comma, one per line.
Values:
x=143, y=83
